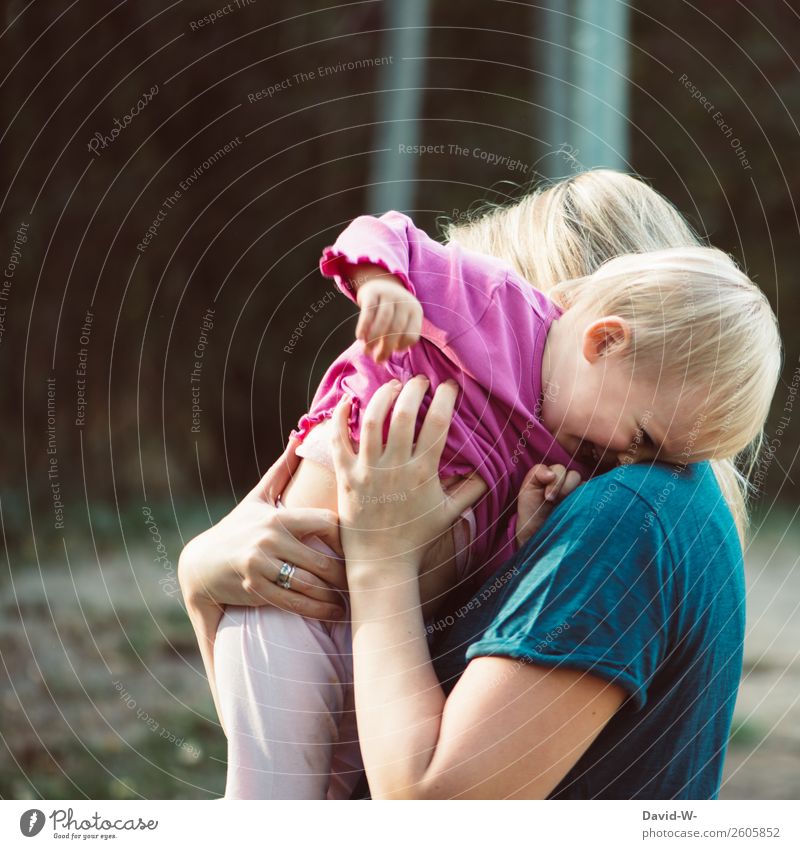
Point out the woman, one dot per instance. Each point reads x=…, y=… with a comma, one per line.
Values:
x=567, y=230
x=603, y=663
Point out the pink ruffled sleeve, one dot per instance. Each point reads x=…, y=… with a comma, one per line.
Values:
x=380, y=241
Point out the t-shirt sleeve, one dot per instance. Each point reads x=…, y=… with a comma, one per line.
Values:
x=593, y=592
x=455, y=288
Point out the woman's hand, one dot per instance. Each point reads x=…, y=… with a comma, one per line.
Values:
x=237, y=560
x=392, y=506
x=543, y=488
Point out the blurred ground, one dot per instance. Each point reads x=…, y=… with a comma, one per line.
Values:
x=101, y=688
x=764, y=756
x=103, y=696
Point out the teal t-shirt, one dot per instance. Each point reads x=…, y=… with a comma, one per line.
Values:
x=637, y=577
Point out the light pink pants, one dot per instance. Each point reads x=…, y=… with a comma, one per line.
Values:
x=285, y=686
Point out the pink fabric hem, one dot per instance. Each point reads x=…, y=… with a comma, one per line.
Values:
x=332, y=260
x=310, y=420
x=463, y=535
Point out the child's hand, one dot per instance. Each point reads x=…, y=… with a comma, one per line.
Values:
x=543, y=487
x=391, y=318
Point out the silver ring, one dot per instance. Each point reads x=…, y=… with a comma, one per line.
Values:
x=285, y=575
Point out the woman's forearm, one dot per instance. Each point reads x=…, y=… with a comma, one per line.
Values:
x=399, y=700
x=205, y=616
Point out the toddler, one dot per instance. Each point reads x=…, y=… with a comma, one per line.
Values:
x=640, y=360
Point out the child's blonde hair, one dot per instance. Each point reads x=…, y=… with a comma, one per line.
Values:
x=695, y=317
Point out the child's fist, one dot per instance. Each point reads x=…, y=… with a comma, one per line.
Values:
x=543, y=487
x=390, y=320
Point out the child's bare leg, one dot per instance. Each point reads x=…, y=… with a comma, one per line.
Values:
x=314, y=485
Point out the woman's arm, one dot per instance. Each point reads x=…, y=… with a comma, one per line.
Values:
x=509, y=729
x=205, y=616
x=237, y=560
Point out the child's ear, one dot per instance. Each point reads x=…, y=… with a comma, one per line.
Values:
x=605, y=336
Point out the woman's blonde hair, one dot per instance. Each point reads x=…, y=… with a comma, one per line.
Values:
x=695, y=317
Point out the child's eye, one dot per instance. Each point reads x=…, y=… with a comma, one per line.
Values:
x=648, y=441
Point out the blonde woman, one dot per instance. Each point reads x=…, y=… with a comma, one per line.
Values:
x=601, y=662
x=571, y=384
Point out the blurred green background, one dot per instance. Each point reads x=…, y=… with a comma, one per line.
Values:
x=101, y=690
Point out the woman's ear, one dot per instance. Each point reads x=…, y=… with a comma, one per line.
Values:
x=604, y=336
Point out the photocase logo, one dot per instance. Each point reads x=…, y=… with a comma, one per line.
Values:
x=65, y=825
x=31, y=822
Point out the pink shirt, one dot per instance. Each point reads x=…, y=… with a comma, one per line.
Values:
x=484, y=327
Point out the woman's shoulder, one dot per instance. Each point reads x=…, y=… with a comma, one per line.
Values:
x=647, y=480
x=654, y=485
x=679, y=508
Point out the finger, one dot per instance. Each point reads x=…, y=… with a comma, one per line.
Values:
x=571, y=483
x=414, y=330
x=375, y=349
x=363, y=324
x=380, y=324
x=385, y=347
x=312, y=521
x=532, y=478
x=301, y=604
x=305, y=556
x=405, y=329
x=542, y=475
x=433, y=433
x=402, y=320
x=450, y=482
x=363, y=321
x=400, y=442
x=465, y=493
x=551, y=492
x=400, y=339
x=341, y=447
x=372, y=422
x=368, y=303
x=306, y=583
x=260, y=588
x=395, y=339
x=277, y=476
